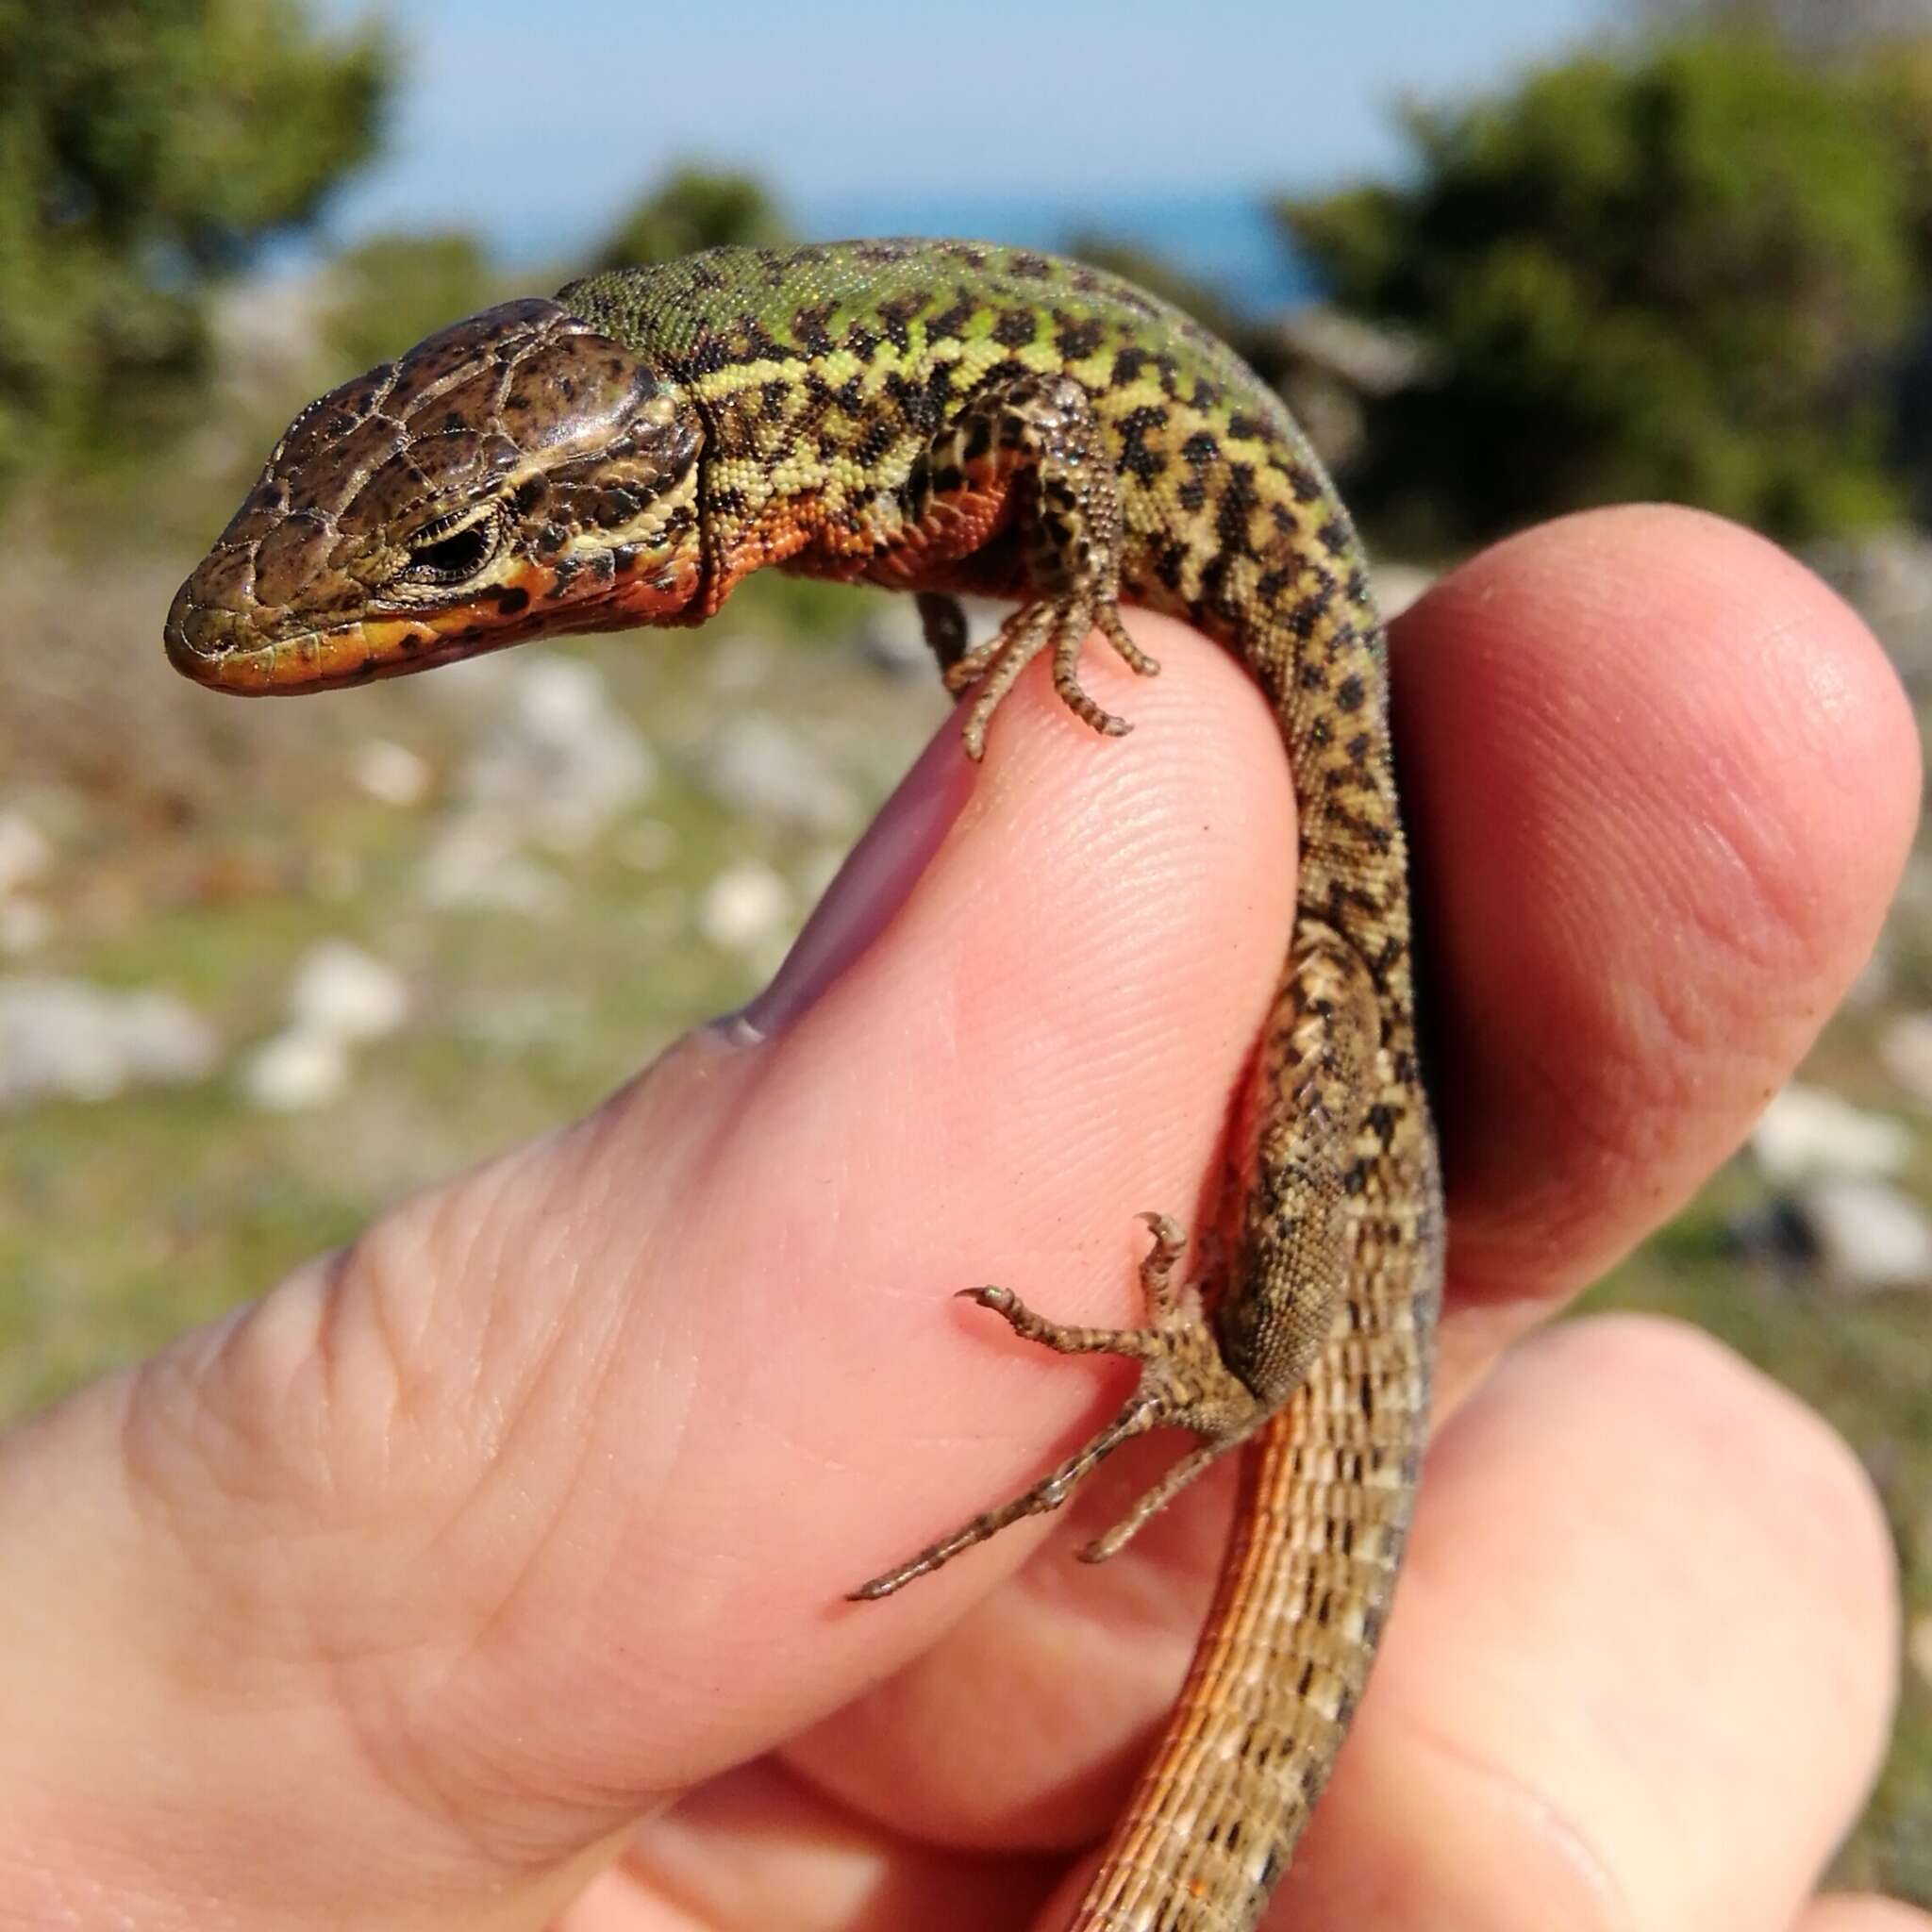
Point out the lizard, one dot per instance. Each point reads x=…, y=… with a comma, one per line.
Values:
x=948, y=418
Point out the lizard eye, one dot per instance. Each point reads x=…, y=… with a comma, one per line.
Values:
x=453, y=547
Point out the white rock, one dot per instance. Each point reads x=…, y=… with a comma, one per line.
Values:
x=755, y=765
x=389, y=772
x=743, y=908
x=24, y=855
x=1807, y=1133
x=1867, y=1235
x=340, y=992
x=65, y=1038
x=475, y=865
x=558, y=761
x=164, y=1039
x=1904, y=1047
x=295, y=1071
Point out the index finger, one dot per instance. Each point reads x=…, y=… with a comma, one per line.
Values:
x=1662, y=782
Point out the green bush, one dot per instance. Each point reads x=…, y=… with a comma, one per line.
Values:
x=148, y=147
x=1678, y=275
x=393, y=290
x=694, y=207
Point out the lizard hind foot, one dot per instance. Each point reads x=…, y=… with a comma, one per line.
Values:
x=1183, y=1384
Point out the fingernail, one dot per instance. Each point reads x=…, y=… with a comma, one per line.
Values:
x=870, y=887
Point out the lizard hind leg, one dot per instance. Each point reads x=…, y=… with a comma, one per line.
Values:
x=1183, y=1384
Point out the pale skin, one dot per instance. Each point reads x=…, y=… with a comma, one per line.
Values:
x=402, y=1598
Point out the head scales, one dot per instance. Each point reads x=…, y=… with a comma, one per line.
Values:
x=514, y=471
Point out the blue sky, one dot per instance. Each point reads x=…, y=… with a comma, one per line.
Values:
x=538, y=124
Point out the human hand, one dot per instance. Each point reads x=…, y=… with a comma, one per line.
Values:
x=400, y=1598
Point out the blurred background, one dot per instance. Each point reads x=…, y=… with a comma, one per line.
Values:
x=262, y=968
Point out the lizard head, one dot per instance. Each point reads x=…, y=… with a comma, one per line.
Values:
x=513, y=473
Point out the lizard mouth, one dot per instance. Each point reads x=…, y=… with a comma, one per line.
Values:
x=259, y=653
x=321, y=659
x=221, y=650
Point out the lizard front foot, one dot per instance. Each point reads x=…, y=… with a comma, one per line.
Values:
x=1063, y=624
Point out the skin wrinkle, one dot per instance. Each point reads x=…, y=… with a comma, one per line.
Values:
x=339, y=1710
x=374, y=1266
x=399, y=1754
x=1746, y=822
x=1590, y=1880
x=488, y=1811
x=400, y=1758
x=481, y=1234
x=1608, y=1143
x=1539, y=1253
x=545, y=1242
x=377, y=1297
x=617, y=1255
x=1753, y=843
x=384, y=1305
x=1639, y=1019
x=238, y=1448
x=145, y=1420
x=1700, y=1037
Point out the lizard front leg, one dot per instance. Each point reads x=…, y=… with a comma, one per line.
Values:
x=1025, y=454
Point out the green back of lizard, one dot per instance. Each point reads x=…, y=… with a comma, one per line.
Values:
x=824, y=373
